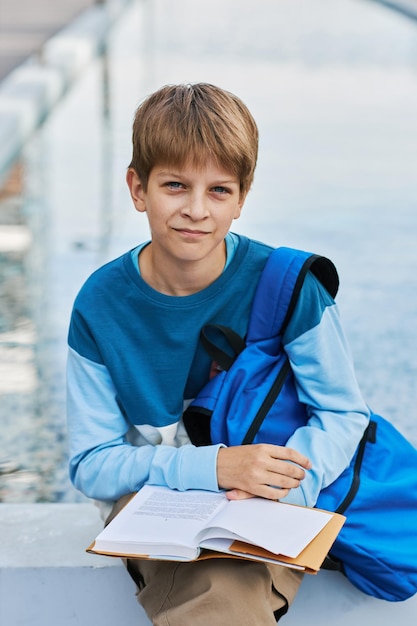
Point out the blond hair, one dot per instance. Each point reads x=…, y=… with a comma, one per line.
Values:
x=180, y=124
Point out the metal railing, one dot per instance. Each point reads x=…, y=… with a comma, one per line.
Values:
x=30, y=92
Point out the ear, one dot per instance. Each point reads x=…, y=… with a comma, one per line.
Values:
x=136, y=189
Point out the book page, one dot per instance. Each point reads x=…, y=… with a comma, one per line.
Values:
x=158, y=516
x=199, y=506
x=227, y=547
x=279, y=528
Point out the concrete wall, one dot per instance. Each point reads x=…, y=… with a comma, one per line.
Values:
x=47, y=578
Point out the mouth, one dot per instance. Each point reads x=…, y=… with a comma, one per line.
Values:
x=190, y=232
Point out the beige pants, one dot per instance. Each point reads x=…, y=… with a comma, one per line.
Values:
x=219, y=591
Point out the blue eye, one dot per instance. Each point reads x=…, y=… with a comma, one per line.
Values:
x=220, y=189
x=174, y=184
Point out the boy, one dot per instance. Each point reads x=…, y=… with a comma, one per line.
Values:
x=135, y=360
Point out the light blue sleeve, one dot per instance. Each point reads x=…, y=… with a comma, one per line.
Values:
x=326, y=383
x=103, y=464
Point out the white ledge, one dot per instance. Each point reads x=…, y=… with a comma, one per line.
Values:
x=47, y=578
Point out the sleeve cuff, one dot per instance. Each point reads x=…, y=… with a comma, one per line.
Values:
x=199, y=467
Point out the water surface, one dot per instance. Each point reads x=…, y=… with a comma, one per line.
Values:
x=333, y=86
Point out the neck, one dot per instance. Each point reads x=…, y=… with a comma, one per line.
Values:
x=184, y=278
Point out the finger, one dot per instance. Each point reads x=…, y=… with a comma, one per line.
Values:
x=262, y=491
x=289, y=454
x=238, y=494
x=282, y=474
x=272, y=493
x=282, y=481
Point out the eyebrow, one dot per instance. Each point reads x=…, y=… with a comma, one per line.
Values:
x=174, y=174
x=168, y=173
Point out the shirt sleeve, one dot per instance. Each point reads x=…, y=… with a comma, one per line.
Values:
x=326, y=383
x=103, y=463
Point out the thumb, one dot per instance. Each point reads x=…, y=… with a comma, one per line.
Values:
x=238, y=494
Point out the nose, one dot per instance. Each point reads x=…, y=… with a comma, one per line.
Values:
x=196, y=207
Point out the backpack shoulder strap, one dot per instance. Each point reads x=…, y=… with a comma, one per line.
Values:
x=279, y=287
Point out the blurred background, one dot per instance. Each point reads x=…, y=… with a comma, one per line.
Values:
x=333, y=87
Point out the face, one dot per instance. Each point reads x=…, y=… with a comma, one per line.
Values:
x=189, y=210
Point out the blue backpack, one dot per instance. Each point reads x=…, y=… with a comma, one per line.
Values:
x=254, y=400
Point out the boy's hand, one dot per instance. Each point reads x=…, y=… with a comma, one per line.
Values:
x=263, y=470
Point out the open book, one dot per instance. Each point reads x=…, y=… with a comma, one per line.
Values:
x=160, y=523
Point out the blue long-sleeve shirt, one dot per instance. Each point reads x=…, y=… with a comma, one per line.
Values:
x=135, y=360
